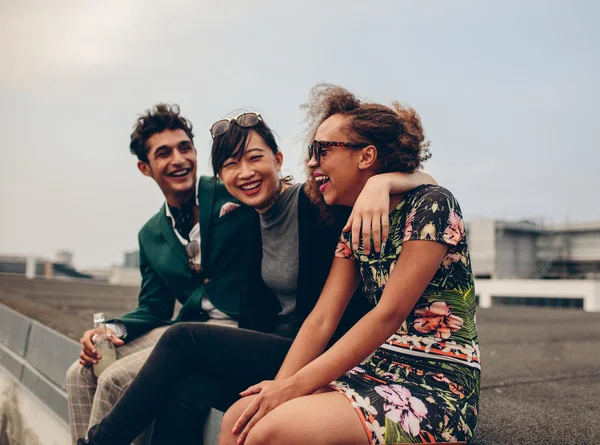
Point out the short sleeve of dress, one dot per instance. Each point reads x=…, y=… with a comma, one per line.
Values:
x=343, y=249
x=434, y=215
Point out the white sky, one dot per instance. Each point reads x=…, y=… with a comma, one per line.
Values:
x=507, y=92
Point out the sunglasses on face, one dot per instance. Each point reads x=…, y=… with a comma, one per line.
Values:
x=244, y=120
x=193, y=249
x=316, y=147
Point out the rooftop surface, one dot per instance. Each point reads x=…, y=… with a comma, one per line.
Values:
x=541, y=366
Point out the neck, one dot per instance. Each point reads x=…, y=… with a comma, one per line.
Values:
x=269, y=203
x=352, y=196
x=180, y=199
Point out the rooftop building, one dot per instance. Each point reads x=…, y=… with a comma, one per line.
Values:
x=533, y=250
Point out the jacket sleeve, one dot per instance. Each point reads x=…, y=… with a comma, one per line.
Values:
x=155, y=303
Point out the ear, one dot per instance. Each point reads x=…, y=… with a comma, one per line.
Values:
x=279, y=159
x=368, y=157
x=144, y=167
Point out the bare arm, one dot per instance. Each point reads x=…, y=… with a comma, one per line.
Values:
x=320, y=325
x=416, y=266
x=372, y=207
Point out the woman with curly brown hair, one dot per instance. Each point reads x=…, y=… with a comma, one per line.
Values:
x=197, y=366
x=408, y=371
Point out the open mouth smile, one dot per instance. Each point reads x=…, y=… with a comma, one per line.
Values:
x=322, y=181
x=251, y=187
x=180, y=173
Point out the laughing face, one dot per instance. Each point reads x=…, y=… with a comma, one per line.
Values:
x=172, y=164
x=252, y=177
x=341, y=173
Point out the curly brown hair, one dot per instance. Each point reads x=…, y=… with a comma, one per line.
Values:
x=159, y=118
x=395, y=131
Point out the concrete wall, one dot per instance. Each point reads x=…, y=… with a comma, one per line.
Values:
x=587, y=290
x=515, y=254
x=25, y=419
x=481, y=237
x=125, y=276
x=33, y=363
x=584, y=246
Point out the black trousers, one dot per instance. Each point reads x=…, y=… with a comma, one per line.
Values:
x=194, y=367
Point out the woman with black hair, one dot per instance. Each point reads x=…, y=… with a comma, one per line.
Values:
x=197, y=366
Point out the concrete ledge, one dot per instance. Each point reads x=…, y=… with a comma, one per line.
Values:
x=14, y=330
x=11, y=362
x=37, y=357
x=54, y=397
x=51, y=353
x=41, y=387
x=212, y=427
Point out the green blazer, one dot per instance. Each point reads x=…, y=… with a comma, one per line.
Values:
x=229, y=245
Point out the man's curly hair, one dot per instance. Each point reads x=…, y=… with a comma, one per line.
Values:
x=159, y=118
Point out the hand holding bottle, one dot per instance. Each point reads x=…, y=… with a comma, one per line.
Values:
x=89, y=353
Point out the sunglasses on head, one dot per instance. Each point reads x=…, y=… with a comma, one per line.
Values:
x=244, y=120
x=193, y=249
x=316, y=147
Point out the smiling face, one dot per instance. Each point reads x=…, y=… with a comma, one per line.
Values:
x=252, y=177
x=341, y=172
x=172, y=164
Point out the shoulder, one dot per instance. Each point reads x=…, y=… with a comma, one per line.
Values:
x=211, y=186
x=153, y=224
x=209, y=183
x=329, y=217
x=432, y=197
x=433, y=213
x=304, y=203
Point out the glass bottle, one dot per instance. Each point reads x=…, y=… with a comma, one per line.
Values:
x=103, y=345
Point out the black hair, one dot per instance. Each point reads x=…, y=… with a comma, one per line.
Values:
x=232, y=144
x=156, y=120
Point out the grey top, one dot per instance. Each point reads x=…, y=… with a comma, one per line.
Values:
x=279, y=230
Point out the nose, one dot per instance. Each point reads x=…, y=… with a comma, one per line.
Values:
x=177, y=157
x=246, y=170
x=312, y=162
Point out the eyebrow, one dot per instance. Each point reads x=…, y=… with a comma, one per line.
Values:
x=165, y=146
x=254, y=149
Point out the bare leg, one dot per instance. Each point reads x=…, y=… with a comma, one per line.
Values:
x=319, y=419
x=226, y=437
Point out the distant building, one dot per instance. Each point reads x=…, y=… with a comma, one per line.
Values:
x=64, y=257
x=132, y=259
x=126, y=275
x=526, y=249
x=39, y=267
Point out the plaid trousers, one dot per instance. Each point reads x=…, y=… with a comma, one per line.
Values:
x=90, y=399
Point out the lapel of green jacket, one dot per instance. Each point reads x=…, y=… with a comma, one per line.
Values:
x=166, y=228
x=206, y=199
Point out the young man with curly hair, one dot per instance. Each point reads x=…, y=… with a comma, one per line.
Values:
x=196, y=250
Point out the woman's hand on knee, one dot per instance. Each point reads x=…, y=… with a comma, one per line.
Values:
x=268, y=395
x=226, y=436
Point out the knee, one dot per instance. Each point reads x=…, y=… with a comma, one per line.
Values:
x=264, y=433
x=177, y=334
x=228, y=420
x=114, y=378
x=78, y=372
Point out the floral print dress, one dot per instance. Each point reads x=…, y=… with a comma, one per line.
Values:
x=422, y=384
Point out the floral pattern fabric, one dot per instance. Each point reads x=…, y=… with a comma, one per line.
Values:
x=422, y=384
